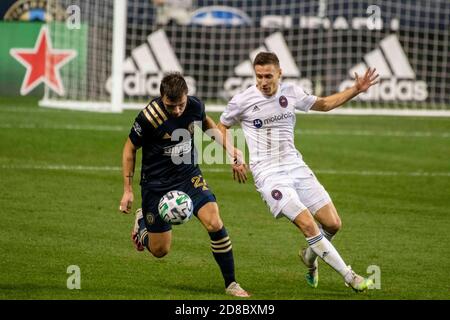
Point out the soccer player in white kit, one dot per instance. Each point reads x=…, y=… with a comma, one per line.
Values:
x=266, y=113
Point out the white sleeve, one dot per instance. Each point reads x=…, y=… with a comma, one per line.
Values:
x=231, y=115
x=303, y=100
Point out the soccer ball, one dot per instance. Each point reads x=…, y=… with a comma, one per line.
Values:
x=175, y=207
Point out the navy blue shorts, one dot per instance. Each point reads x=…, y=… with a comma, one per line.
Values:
x=195, y=186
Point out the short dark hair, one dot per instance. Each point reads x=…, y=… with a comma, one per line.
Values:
x=264, y=58
x=173, y=86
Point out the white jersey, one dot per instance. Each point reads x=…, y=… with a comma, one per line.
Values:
x=268, y=124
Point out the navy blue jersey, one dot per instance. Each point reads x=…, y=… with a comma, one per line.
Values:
x=168, y=151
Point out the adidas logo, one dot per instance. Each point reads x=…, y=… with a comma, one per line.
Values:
x=244, y=75
x=144, y=69
x=397, y=78
x=276, y=44
x=255, y=108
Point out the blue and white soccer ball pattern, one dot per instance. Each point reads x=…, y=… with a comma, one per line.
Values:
x=175, y=207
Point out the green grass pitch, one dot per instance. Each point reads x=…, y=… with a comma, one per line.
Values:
x=60, y=189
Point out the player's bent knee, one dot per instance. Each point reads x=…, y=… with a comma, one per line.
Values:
x=337, y=225
x=159, y=249
x=333, y=226
x=329, y=218
x=159, y=252
x=214, y=225
x=210, y=218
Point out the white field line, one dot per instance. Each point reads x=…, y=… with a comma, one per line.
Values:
x=374, y=133
x=9, y=109
x=354, y=111
x=106, y=128
x=58, y=167
x=419, y=113
x=319, y=171
x=97, y=127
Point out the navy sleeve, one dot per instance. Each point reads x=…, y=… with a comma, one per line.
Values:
x=139, y=130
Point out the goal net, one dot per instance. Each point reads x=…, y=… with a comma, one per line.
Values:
x=320, y=43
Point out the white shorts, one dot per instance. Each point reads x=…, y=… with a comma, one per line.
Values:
x=290, y=192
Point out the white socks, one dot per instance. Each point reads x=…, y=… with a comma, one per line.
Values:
x=310, y=255
x=324, y=249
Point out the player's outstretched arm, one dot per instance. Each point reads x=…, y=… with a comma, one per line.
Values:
x=210, y=128
x=239, y=166
x=338, y=99
x=128, y=164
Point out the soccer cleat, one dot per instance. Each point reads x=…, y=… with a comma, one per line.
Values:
x=312, y=276
x=358, y=283
x=136, y=236
x=234, y=289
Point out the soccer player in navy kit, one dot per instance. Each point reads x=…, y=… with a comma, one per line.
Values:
x=164, y=129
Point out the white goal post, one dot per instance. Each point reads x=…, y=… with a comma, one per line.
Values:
x=125, y=46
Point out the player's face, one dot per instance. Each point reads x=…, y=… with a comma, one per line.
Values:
x=267, y=78
x=175, y=108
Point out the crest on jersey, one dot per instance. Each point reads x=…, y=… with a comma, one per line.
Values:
x=257, y=123
x=137, y=128
x=276, y=194
x=283, y=101
x=150, y=218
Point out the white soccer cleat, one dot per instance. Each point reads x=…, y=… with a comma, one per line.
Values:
x=356, y=282
x=135, y=232
x=312, y=276
x=234, y=289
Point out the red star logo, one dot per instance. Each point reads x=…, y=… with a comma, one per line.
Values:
x=42, y=63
